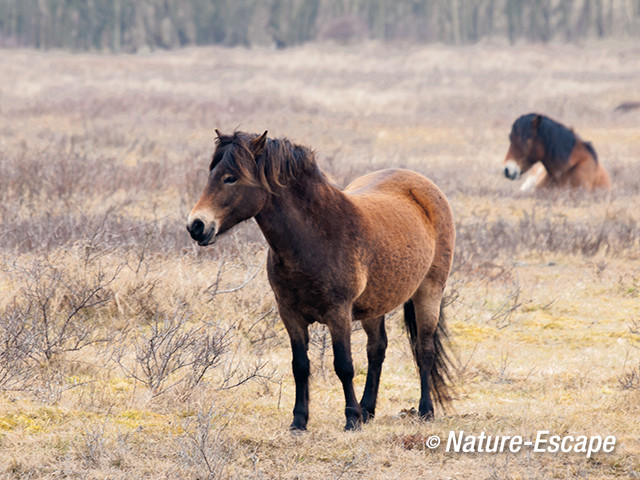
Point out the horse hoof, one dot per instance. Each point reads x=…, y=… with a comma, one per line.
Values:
x=353, y=425
x=426, y=416
x=297, y=427
x=367, y=416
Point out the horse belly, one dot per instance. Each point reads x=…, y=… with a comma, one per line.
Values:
x=394, y=275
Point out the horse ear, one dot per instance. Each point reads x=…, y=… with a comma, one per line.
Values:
x=218, y=133
x=535, y=123
x=257, y=145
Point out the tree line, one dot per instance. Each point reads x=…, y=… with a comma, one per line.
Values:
x=118, y=25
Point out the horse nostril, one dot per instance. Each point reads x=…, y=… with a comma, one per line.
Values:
x=510, y=174
x=196, y=229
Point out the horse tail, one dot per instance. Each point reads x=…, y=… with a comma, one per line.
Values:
x=592, y=150
x=440, y=375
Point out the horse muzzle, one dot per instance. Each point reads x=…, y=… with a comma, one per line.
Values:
x=511, y=170
x=201, y=232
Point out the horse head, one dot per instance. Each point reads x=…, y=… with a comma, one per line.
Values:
x=526, y=148
x=233, y=192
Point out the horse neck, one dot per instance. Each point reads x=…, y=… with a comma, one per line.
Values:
x=555, y=169
x=297, y=218
x=556, y=150
x=551, y=169
x=548, y=162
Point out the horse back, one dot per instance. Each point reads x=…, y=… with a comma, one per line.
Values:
x=387, y=194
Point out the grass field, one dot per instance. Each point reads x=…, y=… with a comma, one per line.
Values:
x=128, y=352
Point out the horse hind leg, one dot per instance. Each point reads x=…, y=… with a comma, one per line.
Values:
x=426, y=328
x=376, y=348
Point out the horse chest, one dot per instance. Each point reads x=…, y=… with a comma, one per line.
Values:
x=312, y=294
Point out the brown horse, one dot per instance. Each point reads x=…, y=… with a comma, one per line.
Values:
x=568, y=161
x=338, y=256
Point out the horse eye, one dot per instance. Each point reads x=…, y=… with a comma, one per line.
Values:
x=230, y=179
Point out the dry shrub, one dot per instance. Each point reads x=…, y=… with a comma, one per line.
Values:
x=630, y=379
x=482, y=240
x=14, y=364
x=205, y=447
x=56, y=314
x=116, y=299
x=173, y=349
x=61, y=312
x=67, y=194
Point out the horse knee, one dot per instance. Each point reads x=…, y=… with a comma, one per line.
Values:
x=301, y=367
x=381, y=345
x=344, y=369
x=342, y=362
x=376, y=352
x=376, y=342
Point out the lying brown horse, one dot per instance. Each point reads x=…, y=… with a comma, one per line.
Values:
x=568, y=161
x=338, y=256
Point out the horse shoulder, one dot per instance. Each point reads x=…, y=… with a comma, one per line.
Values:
x=587, y=172
x=603, y=181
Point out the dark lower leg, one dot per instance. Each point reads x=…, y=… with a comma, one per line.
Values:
x=425, y=357
x=376, y=347
x=344, y=369
x=300, y=364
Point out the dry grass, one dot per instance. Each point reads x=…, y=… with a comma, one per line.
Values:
x=127, y=352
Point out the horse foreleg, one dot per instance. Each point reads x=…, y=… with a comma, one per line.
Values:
x=301, y=368
x=340, y=329
x=536, y=176
x=376, y=347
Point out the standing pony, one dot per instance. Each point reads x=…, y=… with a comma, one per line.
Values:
x=568, y=161
x=338, y=256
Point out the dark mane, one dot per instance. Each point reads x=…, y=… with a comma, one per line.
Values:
x=592, y=150
x=281, y=162
x=558, y=139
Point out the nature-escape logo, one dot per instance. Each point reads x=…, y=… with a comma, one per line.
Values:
x=544, y=442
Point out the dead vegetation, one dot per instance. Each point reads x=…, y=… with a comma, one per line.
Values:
x=128, y=352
